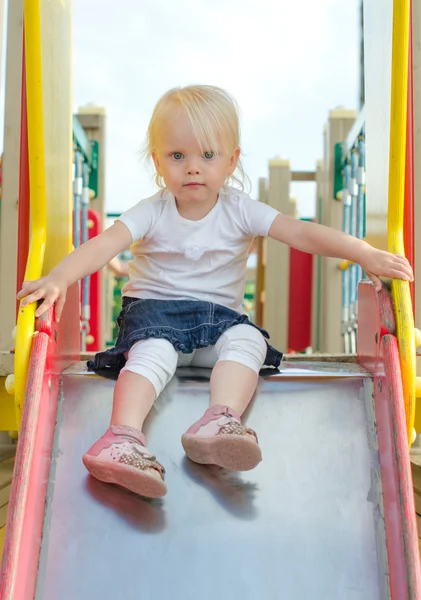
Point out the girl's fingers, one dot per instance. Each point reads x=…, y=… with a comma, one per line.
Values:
x=399, y=274
x=27, y=288
x=48, y=302
x=404, y=265
x=59, y=307
x=400, y=258
x=33, y=291
x=376, y=281
x=400, y=262
x=34, y=297
x=393, y=274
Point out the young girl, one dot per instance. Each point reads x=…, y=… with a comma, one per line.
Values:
x=182, y=304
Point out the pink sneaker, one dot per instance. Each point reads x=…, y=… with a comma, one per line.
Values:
x=220, y=439
x=120, y=456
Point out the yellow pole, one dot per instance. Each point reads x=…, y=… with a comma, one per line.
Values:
x=26, y=319
x=400, y=289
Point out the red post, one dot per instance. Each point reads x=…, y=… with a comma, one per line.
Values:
x=300, y=286
x=409, y=168
x=95, y=291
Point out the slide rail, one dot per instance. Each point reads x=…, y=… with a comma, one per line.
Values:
x=401, y=293
x=38, y=211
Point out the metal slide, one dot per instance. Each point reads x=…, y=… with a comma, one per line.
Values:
x=306, y=523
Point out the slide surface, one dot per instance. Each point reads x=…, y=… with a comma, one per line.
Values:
x=306, y=523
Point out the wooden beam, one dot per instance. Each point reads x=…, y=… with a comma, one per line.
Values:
x=303, y=176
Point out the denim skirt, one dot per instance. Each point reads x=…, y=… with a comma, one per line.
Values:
x=186, y=324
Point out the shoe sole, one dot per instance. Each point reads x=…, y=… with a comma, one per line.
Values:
x=130, y=478
x=234, y=452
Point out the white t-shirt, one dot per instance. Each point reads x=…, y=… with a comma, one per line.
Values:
x=178, y=259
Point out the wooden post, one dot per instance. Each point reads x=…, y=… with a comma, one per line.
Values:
x=377, y=80
x=293, y=209
x=261, y=263
x=277, y=267
x=1, y=32
x=56, y=27
x=93, y=120
x=10, y=185
x=339, y=124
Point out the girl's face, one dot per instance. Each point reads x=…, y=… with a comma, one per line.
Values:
x=191, y=175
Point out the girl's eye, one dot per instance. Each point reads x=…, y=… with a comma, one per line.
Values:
x=209, y=154
x=177, y=155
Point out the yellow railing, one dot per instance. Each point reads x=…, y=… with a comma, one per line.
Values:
x=38, y=223
x=400, y=289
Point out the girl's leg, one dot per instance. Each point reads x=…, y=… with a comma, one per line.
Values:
x=233, y=383
x=219, y=437
x=121, y=456
x=150, y=366
x=134, y=396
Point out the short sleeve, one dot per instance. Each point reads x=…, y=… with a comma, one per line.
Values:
x=140, y=218
x=257, y=216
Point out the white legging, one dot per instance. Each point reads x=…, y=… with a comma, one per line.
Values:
x=156, y=359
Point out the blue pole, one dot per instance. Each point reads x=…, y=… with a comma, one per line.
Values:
x=77, y=193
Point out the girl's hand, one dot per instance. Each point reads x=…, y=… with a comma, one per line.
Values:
x=52, y=289
x=378, y=263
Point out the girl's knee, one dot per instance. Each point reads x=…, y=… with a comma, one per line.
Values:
x=155, y=359
x=245, y=334
x=244, y=343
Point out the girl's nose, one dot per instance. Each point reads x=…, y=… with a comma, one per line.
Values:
x=193, y=168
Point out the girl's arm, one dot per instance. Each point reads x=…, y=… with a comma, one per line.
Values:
x=85, y=260
x=325, y=241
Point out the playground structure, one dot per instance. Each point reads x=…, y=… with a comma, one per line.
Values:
x=357, y=531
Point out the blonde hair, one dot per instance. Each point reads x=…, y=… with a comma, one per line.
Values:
x=213, y=116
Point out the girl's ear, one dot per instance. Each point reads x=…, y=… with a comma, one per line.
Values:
x=156, y=163
x=234, y=161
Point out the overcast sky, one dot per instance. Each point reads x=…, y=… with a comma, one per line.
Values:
x=287, y=63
